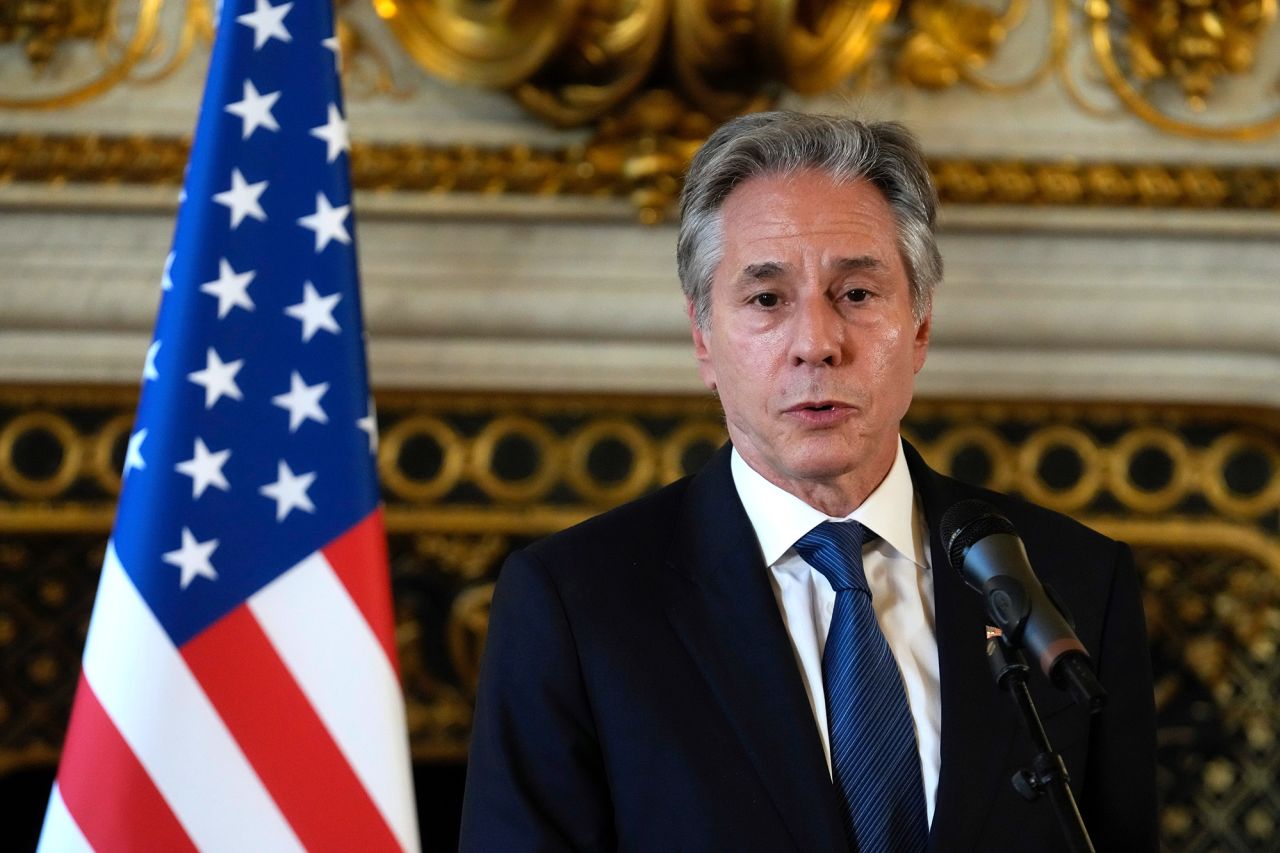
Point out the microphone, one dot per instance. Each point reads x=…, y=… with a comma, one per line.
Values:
x=984, y=548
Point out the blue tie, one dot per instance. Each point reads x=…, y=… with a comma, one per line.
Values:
x=875, y=762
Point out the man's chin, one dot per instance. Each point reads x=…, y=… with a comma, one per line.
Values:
x=822, y=467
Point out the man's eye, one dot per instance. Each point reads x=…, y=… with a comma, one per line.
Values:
x=858, y=295
x=765, y=300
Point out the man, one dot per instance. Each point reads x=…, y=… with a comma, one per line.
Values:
x=774, y=654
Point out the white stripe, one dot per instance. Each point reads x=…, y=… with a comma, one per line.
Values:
x=167, y=720
x=60, y=834
x=324, y=640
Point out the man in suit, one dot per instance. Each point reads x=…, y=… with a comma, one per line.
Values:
x=774, y=654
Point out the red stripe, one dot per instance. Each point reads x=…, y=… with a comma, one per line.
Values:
x=106, y=789
x=283, y=738
x=359, y=558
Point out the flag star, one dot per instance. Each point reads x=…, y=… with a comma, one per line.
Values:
x=327, y=222
x=193, y=558
x=369, y=423
x=334, y=133
x=133, y=454
x=255, y=110
x=166, y=283
x=315, y=312
x=205, y=469
x=218, y=379
x=267, y=22
x=149, y=367
x=302, y=401
x=332, y=43
x=242, y=198
x=289, y=491
x=231, y=288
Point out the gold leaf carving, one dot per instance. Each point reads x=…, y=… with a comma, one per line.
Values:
x=641, y=155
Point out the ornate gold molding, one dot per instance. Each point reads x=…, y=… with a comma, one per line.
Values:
x=573, y=62
x=1147, y=54
x=647, y=170
x=127, y=36
x=40, y=27
x=1193, y=45
x=520, y=465
x=137, y=42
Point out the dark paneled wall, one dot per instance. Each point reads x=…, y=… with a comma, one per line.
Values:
x=468, y=478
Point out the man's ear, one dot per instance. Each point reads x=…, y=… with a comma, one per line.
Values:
x=701, y=347
x=924, y=332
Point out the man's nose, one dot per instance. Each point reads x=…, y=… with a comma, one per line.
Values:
x=817, y=332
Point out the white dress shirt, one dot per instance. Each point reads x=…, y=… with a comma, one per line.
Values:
x=896, y=564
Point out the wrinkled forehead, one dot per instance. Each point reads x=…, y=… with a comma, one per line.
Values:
x=810, y=175
x=806, y=204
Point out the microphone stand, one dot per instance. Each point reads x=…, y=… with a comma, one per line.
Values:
x=1047, y=772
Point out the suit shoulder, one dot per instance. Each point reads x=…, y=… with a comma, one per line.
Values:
x=641, y=526
x=1036, y=523
x=1033, y=522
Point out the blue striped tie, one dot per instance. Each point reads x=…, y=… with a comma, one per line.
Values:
x=874, y=758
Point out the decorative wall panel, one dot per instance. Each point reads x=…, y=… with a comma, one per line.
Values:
x=467, y=478
x=1184, y=67
x=630, y=170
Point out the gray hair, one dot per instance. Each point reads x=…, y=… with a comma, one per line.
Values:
x=782, y=143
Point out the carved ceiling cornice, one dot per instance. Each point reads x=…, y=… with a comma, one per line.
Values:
x=576, y=62
x=652, y=77
x=572, y=62
x=645, y=167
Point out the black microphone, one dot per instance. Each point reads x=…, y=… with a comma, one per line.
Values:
x=984, y=548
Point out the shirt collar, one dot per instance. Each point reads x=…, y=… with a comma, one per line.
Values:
x=780, y=518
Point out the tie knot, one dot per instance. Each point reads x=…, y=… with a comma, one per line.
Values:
x=835, y=549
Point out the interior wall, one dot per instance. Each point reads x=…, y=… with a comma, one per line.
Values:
x=1105, y=343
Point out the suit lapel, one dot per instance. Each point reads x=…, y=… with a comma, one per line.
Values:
x=978, y=720
x=729, y=621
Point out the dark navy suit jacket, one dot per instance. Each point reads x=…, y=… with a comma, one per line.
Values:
x=639, y=692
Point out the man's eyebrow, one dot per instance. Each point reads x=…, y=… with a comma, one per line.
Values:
x=861, y=262
x=762, y=271
x=768, y=270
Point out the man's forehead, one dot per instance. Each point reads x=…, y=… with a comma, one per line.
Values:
x=775, y=226
x=806, y=203
x=811, y=178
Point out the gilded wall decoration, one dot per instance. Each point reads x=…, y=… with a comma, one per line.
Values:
x=1192, y=44
x=40, y=27
x=79, y=50
x=467, y=478
x=573, y=63
x=1161, y=62
x=646, y=167
x=1214, y=620
x=129, y=41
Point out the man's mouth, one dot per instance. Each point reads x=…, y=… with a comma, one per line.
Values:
x=819, y=406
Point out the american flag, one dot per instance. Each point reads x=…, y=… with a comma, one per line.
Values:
x=240, y=688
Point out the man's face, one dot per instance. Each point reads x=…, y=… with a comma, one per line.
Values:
x=811, y=343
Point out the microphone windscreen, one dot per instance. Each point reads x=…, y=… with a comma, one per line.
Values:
x=968, y=522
